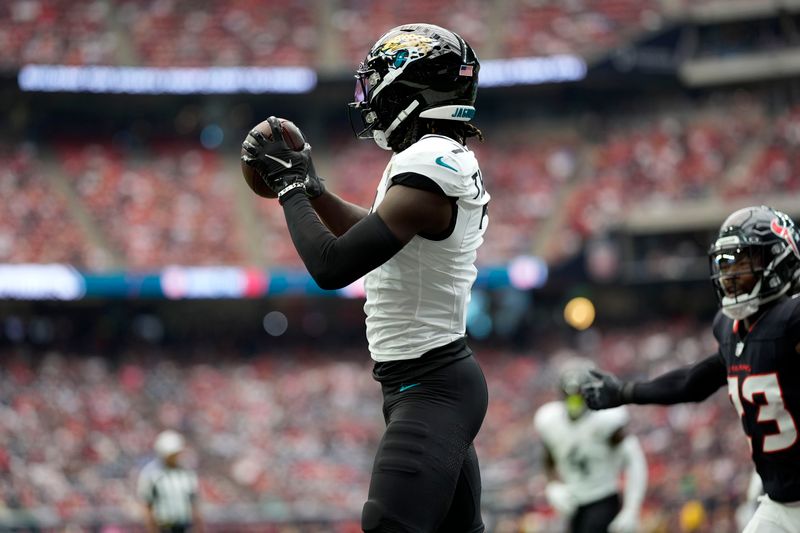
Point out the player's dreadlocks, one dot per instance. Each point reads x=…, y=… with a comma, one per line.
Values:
x=459, y=131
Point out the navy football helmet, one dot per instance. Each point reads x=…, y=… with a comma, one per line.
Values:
x=414, y=71
x=754, y=260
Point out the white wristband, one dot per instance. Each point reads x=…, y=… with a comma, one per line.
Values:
x=288, y=188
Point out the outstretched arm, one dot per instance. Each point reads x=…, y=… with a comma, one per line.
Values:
x=693, y=383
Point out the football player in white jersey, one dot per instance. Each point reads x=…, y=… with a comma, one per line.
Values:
x=415, y=92
x=585, y=452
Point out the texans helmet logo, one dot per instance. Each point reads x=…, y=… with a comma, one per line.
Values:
x=784, y=233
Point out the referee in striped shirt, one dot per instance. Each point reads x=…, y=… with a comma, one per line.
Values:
x=168, y=490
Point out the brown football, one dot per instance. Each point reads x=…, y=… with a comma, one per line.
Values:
x=294, y=138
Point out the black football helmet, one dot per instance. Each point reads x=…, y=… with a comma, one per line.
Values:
x=415, y=70
x=754, y=260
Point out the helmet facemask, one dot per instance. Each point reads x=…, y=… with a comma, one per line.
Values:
x=369, y=84
x=366, y=79
x=737, y=274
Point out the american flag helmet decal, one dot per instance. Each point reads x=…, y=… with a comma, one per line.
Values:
x=465, y=70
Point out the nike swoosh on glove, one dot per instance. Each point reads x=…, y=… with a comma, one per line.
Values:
x=281, y=167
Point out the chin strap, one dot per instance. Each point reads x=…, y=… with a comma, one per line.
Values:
x=382, y=136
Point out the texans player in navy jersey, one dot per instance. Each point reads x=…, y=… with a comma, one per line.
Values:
x=755, y=267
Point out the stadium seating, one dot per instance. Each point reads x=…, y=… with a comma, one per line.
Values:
x=778, y=166
x=69, y=32
x=666, y=158
x=242, y=32
x=353, y=18
x=183, y=33
x=35, y=224
x=545, y=27
x=174, y=202
x=167, y=204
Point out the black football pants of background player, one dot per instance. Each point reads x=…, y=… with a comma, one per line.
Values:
x=177, y=528
x=596, y=516
x=425, y=478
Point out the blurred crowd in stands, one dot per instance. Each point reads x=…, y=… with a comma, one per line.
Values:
x=333, y=35
x=170, y=205
x=290, y=434
x=176, y=202
x=29, y=223
x=330, y=35
x=296, y=32
x=681, y=154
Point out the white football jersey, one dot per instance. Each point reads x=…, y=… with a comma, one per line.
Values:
x=583, y=457
x=417, y=300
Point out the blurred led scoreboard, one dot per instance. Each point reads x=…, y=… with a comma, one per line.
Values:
x=63, y=282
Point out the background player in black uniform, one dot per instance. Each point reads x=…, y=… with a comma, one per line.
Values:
x=755, y=266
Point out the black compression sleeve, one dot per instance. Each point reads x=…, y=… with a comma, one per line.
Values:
x=336, y=262
x=692, y=383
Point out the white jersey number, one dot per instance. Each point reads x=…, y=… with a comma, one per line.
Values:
x=578, y=462
x=771, y=410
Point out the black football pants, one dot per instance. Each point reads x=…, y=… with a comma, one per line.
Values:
x=596, y=516
x=425, y=478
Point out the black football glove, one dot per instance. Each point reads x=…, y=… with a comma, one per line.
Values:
x=314, y=183
x=606, y=391
x=281, y=168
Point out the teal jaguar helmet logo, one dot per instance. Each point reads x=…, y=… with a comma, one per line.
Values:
x=399, y=59
x=403, y=48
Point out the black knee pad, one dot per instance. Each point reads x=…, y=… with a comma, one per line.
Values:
x=371, y=515
x=374, y=520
